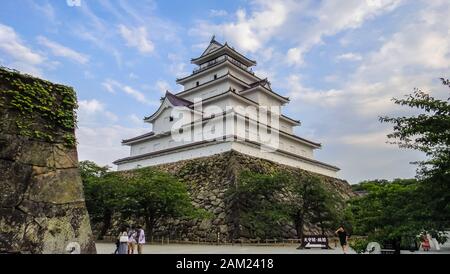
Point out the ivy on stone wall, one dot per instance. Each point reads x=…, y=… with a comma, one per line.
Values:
x=45, y=111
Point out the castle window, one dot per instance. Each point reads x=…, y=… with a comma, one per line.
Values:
x=171, y=118
x=197, y=83
x=215, y=76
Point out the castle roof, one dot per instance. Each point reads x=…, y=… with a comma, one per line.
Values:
x=173, y=100
x=216, y=49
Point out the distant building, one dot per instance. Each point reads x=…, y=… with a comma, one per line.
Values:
x=224, y=106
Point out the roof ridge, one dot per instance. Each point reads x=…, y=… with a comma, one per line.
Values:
x=177, y=99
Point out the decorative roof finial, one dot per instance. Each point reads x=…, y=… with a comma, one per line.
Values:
x=213, y=38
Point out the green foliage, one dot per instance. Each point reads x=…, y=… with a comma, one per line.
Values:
x=429, y=132
x=145, y=194
x=358, y=244
x=103, y=191
x=269, y=201
x=43, y=108
x=310, y=202
x=89, y=169
x=389, y=211
x=261, y=209
x=155, y=195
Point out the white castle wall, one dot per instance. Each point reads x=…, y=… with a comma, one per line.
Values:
x=282, y=159
x=220, y=147
x=189, y=153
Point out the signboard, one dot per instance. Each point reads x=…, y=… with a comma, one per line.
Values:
x=315, y=241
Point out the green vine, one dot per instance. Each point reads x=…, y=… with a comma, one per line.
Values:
x=45, y=111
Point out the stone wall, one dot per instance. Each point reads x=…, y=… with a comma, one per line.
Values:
x=208, y=179
x=42, y=206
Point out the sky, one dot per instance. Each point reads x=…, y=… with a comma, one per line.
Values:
x=340, y=62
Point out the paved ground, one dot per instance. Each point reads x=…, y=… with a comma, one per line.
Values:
x=107, y=248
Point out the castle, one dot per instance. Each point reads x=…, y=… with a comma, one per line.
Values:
x=224, y=106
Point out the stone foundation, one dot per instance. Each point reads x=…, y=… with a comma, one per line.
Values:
x=208, y=179
x=42, y=206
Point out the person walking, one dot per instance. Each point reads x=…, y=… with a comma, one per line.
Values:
x=117, y=245
x=132, y=235
x=140, y=240
x=123, y=241
x=343, y=238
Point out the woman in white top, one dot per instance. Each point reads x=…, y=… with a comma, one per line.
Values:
x=123, y=239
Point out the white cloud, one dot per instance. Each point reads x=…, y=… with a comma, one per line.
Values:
x=91, y=106
x=137, y=38
x=162, y=86
x=46, y=10
x=309, y=96
x=334, y=17
x=349, y=56
x=113, y=85
x=17, y=53
x=300, y=24
x=98, y=32
x=177, y=65
x=346, y=116
x=135, y=119
x=248, y=32
x=217, y=13
x=91, y=110
x=133, y=76
x=135, y=94
x=109, y=85
x=62, y=51
x=88, y=74
x=295, y=56
x=375, y=139
x=101, y=144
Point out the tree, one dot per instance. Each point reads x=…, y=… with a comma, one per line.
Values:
x=155, y=195
x=310, y=203
x=389, y=211
x=428, y=132
x=89, y=169
x=104, y=193
x=267, y=201
x=259, y=203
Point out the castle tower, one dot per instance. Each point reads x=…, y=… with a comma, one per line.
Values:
x=224, y=106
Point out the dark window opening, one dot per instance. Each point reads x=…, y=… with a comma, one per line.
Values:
x=171, y=118
x=198, y=83
x=215, y=76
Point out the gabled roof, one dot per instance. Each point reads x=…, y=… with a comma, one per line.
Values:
x=184, y=79
x=173, y=100
x=212, y=43
x=225, y=49
x=177, y=101
x=265, y=85
x=264, y=82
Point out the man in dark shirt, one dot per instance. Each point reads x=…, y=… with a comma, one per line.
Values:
x=343, y=237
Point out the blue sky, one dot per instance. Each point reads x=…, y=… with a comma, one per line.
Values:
x=340, y=62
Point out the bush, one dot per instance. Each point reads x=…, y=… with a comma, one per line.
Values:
x=359, y=244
